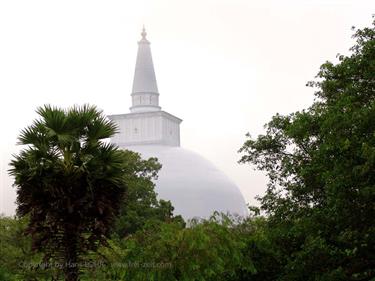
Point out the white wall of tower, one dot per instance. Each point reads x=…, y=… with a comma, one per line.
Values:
x=156, y=127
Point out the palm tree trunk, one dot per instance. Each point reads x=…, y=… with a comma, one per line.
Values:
x=71, y=268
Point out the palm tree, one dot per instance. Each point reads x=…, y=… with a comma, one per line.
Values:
x=69, y=182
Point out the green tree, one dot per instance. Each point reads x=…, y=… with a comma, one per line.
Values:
x=206, y=250
x=259, y=251
x=320, y=162
x=17, y=260
x=69, y=182
x=141, y=206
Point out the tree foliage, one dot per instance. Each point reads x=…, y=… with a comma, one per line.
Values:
x=320, y=161
x=17, y=262
x=206, y=250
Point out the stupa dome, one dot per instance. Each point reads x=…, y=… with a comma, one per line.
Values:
x=193, y=184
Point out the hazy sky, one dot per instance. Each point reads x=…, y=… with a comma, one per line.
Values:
x=224, y=67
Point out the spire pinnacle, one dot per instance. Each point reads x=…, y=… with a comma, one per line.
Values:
x=144, y=33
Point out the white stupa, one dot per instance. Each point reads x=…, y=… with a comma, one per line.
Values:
x=194, y=185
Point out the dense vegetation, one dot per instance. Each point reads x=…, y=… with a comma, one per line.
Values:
x=315, y=222
x=320, y=202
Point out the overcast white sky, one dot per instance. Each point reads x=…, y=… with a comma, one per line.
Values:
x=224, y=67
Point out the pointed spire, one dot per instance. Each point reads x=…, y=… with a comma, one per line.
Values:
x=144, y=76
x=145, y=90
x=144, y=33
